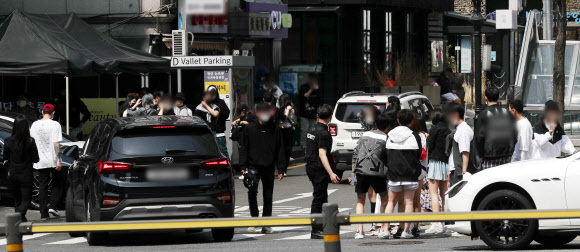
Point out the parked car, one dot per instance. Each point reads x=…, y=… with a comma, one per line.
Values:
x=546, y=184
x=145, y=168
x=345, y=126
x=6, y=122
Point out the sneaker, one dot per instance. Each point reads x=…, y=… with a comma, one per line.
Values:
x=267, y=230
x=415, y=232
x=398, y=234
x=358, y=236
x=291, y=159
x=435, y=228
x=385, y=235
x=407, y=235
x=317, y=235
x=285, y=174
x=373, y=231
x=241, y=177
x=394, y=229
x=54, y=212
x=252, y=229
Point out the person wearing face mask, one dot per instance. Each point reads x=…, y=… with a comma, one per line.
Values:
x=549, y=136
x=261, y=149
x=496, y=133
x=308, y=101
x=180, y=108
x=23, y=108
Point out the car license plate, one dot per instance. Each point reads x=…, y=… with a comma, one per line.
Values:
x=357, y=134
x=167, y=174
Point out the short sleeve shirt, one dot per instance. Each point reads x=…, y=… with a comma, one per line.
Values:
x=523, y=148
x=46, y=133
x=463, y=136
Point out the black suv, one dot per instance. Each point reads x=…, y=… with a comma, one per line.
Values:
x=147, y=168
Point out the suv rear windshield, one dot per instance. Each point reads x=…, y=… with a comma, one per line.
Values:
x=348, y=112
x=160, y=142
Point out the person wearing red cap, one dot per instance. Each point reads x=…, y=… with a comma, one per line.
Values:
x=48, y=135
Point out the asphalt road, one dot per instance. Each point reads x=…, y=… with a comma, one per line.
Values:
x=291, y=197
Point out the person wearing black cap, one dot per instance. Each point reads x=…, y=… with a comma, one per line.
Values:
x=549, y=135
x=180, y=109
x=261, y=150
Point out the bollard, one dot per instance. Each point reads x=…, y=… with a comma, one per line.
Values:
x=331, y=227
x=13, y=235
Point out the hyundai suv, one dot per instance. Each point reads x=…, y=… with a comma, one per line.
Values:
x=149, y=168
x=345, y=126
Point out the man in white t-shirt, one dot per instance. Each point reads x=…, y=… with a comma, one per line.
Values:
x=48, y=134
x=524, y=146
x=462, y=142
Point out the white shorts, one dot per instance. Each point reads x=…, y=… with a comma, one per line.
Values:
x=450, y=97
x=400, y=186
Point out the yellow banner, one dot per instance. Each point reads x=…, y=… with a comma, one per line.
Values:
x=100, y=108
x=223, y=87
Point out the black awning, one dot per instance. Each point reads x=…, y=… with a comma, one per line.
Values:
x=33, y=44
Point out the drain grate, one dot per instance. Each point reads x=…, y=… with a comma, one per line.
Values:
x=395, y=243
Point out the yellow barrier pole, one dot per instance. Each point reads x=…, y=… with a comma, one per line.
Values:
x=13, y=235
x=331, y=227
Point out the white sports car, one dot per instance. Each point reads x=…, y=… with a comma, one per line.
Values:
x=546, y=184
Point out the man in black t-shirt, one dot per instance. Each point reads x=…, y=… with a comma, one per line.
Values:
x=309, y=100
x=319, y=163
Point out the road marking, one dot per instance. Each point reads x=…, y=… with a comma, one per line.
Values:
x=296, y=166
x=239, y=237
x=307, y=236
x=241, y=209
x=26, y=237
x=69, y=241
x=301, y=196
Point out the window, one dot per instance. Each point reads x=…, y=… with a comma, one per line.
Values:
x=388, y=42
x=349, y=112
x=367, y=63
x=156, y=142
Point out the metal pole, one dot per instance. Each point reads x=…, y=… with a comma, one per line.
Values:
x=331, y=227
x=13, y=235
x=547, y=17
x=67, y=106
x=117, y=93
x=169, y=76
x=476, y=19
x=147, y=80
x=178, y=80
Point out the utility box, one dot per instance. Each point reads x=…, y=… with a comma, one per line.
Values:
x=506, y=19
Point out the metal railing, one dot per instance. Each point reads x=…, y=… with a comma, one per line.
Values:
x=330, y=219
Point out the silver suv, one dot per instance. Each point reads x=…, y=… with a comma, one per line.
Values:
x=346, y=127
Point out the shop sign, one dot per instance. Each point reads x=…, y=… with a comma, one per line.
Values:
x=205, y=7
x=100, y=108
x=279, y=22
x=220, y=79
x=202, y=61
x=288, y=82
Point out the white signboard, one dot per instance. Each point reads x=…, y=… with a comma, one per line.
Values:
x=506, y=19
x=202, y=61
x=465, y=54
x=205, y=7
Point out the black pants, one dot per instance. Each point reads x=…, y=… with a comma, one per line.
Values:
x=20, y=185
x=319, y=197
x=267, y=178
x=50, y=180
x=288, y=136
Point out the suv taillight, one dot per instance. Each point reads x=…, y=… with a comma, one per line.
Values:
x=332, y=128
x=216, y=163
x=109, y=166
x=224, y=197
x=110, y=201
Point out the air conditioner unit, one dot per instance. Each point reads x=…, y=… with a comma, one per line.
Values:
x=180, y=43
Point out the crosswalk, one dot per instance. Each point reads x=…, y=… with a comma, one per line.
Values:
x=280, y=211
x=280, y=234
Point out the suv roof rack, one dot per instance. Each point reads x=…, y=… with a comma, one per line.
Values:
x=357, y=93
x=409, y=93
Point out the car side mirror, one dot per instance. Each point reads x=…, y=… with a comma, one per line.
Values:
x=71, y=151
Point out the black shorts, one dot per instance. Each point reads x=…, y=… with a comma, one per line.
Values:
x=363, y=183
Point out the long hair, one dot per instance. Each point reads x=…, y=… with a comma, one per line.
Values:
x=437, y=117
x=128, y=100
x=21, y=131
x=284, y=101
x=416, y=126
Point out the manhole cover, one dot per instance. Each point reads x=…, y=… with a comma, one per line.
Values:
x=391, y=243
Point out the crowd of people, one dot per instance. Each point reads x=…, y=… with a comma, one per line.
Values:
x=411, y=168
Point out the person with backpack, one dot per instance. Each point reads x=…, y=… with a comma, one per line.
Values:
x=438, y=167
x=20, y=153
x=369, y=166
x=404, y=167
x=495, y=132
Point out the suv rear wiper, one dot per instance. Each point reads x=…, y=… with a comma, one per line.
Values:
x=178, y=151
